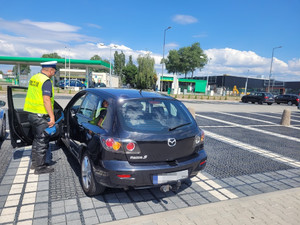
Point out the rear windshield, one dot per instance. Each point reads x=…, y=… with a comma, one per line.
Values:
x=269, y=95
x=153, y=115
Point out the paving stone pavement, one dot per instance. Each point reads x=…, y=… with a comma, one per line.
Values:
x=26, y=198
x=280, y=207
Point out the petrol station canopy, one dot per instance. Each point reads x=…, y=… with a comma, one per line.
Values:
x=60, y=62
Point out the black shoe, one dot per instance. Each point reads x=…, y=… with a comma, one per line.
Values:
x=50, y=163
x=42, y=170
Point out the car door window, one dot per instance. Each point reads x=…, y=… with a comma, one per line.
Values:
x=77, y=104
x=89, y=106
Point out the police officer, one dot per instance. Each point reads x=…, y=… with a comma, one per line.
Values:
x=40, y=103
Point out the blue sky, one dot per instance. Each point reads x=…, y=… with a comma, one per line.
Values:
x=237, y=36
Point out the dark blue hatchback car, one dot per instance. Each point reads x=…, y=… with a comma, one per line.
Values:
x=72, y=83
x=141, y=140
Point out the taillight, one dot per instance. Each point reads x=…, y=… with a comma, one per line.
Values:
x=266, y=97
x=130, y=146
x=297, y=99
x=111, y=144
x=116, y=146
x=120, y=145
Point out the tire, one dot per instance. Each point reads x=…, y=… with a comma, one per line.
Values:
x=3, y=129
x=260, y=102
x=244, y=100
x=278, y=103
x=89, y=185
x=290, y=103
x=253, y=102
x=270, y=103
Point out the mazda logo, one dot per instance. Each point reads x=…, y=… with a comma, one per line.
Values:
x=171, y=142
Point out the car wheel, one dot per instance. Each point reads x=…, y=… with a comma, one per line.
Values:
x=253, y=102
x=260, y=102
x=270, y=103
x=278, y=103
x=89, y=185
x=245, y=100
x=290, y=103
x=3, y=129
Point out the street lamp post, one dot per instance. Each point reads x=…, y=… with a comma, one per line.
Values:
x=69, y=70
x=246, y=84
x=162, y=65
x=65, y=66
x=206, y=88
x=271, y=66
x=110, y=47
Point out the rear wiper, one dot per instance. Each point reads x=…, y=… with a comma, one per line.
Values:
x=173, y=128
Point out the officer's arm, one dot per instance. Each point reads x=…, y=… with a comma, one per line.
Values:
x=48, y=107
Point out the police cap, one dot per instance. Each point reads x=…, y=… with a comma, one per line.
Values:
x=51, y=64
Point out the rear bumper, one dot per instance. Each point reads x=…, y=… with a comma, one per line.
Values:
x=141, y=175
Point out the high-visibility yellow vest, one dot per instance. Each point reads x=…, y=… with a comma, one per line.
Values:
x=96, y=119
x=34, y=99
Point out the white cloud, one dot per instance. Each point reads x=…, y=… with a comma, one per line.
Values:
x=94, y=26
x=244, y=63
x=294, y=64
x=52, y=26
x=184, y=19
x=32, y=39
x=171, y=46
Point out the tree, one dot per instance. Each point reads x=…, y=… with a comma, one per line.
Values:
x=24, y=69
x=96, y=57
x=145, y=76
x=129, y=73
x=198, y=58
x=99, y=70
x=186, y=59
x=119, y=63
x=53, y=55
x=173, y=62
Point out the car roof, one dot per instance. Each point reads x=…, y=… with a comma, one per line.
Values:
x=117, y=93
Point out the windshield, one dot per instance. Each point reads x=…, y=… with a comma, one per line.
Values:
x=153, y=115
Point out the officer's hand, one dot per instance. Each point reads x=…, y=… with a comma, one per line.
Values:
x=51, y=122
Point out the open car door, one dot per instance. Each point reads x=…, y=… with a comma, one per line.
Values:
x=19, y=126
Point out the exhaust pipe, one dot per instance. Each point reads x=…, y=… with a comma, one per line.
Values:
x=167, y=187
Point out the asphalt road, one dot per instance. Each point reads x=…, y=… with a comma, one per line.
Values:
x=249, y=153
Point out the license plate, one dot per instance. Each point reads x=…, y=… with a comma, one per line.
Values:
x=168, y=177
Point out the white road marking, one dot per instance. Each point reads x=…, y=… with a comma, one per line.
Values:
x=263, y=121
x=258, y=125
x=275, y=117
x=251, y=128
x=248, y=118
x=268, y=154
